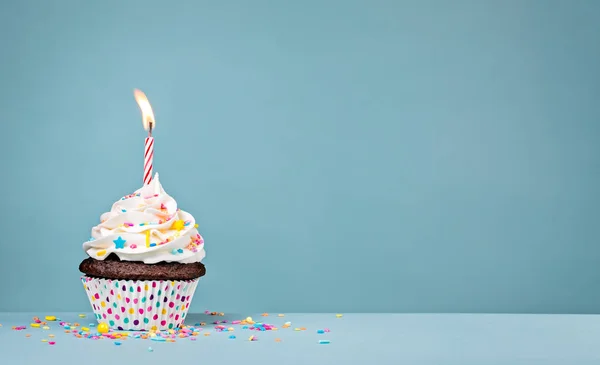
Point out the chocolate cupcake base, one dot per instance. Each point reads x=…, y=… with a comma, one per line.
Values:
x=113, y=268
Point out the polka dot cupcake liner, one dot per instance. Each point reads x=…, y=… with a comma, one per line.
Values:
x=140, y=305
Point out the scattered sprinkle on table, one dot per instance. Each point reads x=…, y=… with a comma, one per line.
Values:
x=50, y=318
x=324, y=342
x=339, y=315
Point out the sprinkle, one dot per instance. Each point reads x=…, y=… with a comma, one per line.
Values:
x=133, y=245
x=85, y=329
x=158, y=339
x=324, y=342
x=265, y=314
x=101, y=253
x=178, y=225
x=51, y=336
x=278, y=340
x=232, y=337
x=28, y=335
x=152, y=244
x=50, y=318
x=44, y=340
x=118, y=343
x=51, y=343
x=180, y=250
x=147, y=238
x=296, y=329
x=196, y=225
x=119, y=242
x=281, y=315
x=320, y=331
x=252, y=338
x=35, y=325
x=326, y=330
x=339, y=315
x=150, y=349
x=123, y=210
x=82, y=316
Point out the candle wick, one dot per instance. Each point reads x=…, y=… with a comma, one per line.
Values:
x=150, y=129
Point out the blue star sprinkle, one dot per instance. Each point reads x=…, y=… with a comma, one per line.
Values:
x=119, y=242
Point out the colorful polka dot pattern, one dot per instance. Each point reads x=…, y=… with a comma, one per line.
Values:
x=140, y=305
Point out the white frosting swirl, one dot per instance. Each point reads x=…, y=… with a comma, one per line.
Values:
x=147, y=226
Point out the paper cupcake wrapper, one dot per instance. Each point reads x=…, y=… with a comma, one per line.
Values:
x=140, y=305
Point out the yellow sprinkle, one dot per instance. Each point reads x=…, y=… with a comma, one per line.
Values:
x=339, y=315
x=50, y=335
x=85, y=329
x=82, y=316
x=147, y=238
x=35, y=325
x=46, y=327
x=230, y=329
x=281, y=315
x=206, y=333
x=44, y=340
x=50, y=318
x=297, y=329
x=101, y=253
x=250, y=338
x=196, y=225
x=178, y=225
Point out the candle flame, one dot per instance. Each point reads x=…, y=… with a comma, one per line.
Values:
x=147, y=114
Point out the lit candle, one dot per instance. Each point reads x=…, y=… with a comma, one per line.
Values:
x=148, y=123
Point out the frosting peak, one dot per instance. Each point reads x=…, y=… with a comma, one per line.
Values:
x=147, y=226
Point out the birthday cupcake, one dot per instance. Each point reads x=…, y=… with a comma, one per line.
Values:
x=144, y=262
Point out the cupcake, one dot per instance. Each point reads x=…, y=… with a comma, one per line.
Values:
x=144, y=262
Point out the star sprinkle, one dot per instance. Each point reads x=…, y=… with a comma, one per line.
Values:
x=178, y=225
x=119, y=242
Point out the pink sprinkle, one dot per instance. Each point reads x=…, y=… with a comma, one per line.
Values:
x=193, y=338
x=326, y=330
x=236, y=322
x=133, y=245
x=51, y=343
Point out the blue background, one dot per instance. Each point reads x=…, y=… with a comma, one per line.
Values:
x=340, y=156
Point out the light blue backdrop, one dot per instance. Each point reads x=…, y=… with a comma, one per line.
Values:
x=369, y=156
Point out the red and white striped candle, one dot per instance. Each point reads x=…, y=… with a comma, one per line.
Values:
x=148, y=159
x=149, y=124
